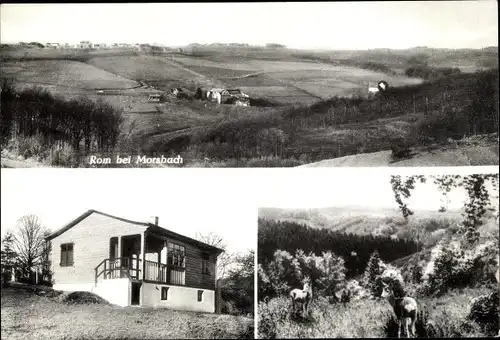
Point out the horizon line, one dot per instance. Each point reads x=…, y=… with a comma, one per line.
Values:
x=264, y=45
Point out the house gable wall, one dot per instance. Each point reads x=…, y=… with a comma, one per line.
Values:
x=90, y=238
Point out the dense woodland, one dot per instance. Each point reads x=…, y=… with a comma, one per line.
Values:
x=49, y=124
x=291, y=236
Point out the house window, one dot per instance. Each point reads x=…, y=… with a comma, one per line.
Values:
x=176, y=255
x=205, y=264
x=164, y=293
x=200, y=296
x=66, y=254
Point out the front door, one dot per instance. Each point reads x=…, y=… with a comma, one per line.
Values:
x=136, y=294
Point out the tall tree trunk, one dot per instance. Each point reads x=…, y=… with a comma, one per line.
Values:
x=218, y=297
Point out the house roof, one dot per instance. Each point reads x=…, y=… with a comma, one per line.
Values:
x=151, y=227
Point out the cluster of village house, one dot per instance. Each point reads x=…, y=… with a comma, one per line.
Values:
x=216, y=95
x=88, y=44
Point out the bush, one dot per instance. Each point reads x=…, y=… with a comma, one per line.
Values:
x=440, y=127
x=84, y=298
x=270, y=315
x=426, y=329
x=63, y=156
x=29, y=147
x=485, y=310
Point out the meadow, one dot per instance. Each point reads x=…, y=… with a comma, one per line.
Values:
x=27, y=312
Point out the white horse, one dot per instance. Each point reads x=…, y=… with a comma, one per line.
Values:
x=302, y=296
x=405, y=309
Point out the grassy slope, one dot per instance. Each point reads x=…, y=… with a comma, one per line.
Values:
x=41, y=317
x=366, y=318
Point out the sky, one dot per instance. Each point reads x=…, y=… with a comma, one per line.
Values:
x=221, y=201
x=324, y=25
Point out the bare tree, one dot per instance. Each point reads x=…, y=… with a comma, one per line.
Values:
x=29, y=243
x=224, y=262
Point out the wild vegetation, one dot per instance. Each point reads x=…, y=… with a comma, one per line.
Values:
x=453, y=281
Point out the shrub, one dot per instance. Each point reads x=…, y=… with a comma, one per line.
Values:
x=424, y=328
x=457, y=265
x=485, y=310
x=439, y=127
x=63, y=156
x=270, y=315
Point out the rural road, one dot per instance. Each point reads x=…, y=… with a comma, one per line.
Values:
x=462, y=156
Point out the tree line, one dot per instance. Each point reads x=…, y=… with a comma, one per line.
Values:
x=354, y=249
x=82, y=124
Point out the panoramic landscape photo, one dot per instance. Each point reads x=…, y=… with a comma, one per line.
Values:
x=382, y=257
x=355, y=84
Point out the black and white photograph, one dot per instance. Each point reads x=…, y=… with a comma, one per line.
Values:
x=89, y=257
x=381, y=256
x=283, y=84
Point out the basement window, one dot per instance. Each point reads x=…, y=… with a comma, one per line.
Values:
x=164, y=293
x=200, y=296
x=66, y=254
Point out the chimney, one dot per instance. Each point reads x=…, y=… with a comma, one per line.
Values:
x=154, y=220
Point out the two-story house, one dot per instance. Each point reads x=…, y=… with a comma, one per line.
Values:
x=134, y=263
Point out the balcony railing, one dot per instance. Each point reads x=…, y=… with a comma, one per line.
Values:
x=120, y=267
x=124, y=267
x=163, y=273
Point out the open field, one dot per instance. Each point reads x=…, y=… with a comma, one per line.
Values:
x=65, y=73
x=25, y=314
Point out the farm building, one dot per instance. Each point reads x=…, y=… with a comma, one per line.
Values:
x=154, y=97
x=134, y=263
x=372, y=89
x=52, y=45
x=85, y=44
x=228, y=96
x=235, y=96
